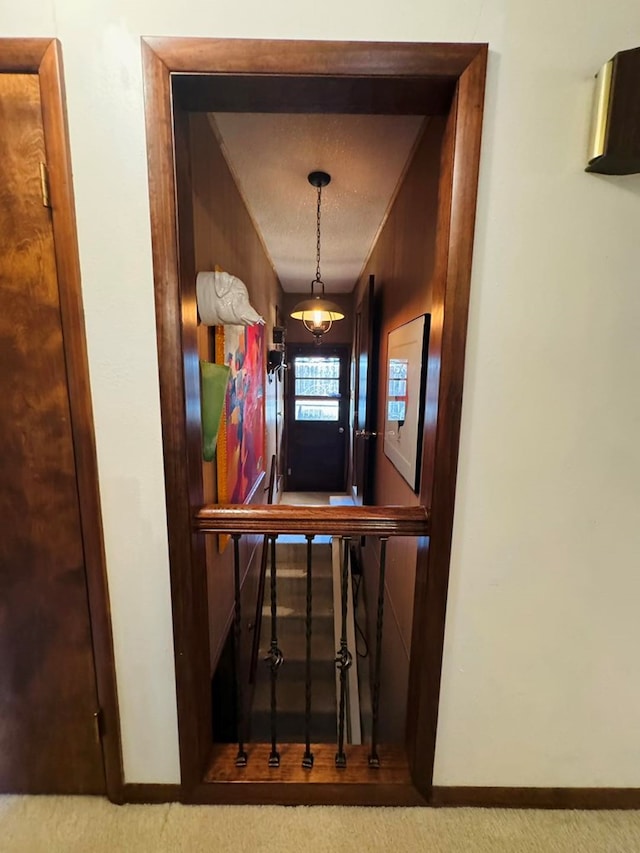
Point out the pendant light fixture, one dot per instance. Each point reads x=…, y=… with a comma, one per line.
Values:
x=317, y=313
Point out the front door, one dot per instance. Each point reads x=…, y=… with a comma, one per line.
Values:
x=317, y=416
x=49, y=740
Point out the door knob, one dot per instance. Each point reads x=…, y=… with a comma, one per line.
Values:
x=340, y=430
x=364, y=433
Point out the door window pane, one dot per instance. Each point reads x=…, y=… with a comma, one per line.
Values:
x=317, y=410
x=317, y=367
x=317, y=380
x=317, y=387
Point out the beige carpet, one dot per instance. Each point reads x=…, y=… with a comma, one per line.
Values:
x=92, y=825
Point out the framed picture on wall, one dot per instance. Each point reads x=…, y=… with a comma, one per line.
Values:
x=405, y=396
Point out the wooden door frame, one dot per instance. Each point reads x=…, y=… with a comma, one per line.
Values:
x=462, y=65
x=368, y=451
x=43, y=56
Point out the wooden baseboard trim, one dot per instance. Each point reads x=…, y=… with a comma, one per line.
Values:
x=389, y=794
x=151, y=793
x=536, y=798
x=320, y=794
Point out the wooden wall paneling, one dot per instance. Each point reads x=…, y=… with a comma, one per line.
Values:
x=394, y=680
x=77, y=368
x=404, y=262
x=225, y=236
x=200, y=191
x=461, y=153
x=224, y=231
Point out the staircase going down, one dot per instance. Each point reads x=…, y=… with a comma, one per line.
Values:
x=291, y=582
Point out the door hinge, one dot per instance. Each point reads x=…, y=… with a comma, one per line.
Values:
x=44, y=185
x=98, y=719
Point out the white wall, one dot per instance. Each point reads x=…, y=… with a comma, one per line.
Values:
x=541, y=676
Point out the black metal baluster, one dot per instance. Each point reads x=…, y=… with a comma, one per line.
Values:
x=275, y=660
x=374, y=758
x=241, y=758
x=343, y=656
x=307, y=759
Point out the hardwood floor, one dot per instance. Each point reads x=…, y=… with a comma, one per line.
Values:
x=305, y=498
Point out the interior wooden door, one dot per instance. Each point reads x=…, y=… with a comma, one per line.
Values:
x=49, y=739
x=366, y=383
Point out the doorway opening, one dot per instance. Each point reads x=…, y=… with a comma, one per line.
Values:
x=183, y=77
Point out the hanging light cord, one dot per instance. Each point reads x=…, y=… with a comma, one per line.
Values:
x=318, y=279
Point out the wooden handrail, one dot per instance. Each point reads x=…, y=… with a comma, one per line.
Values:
x=318, y=520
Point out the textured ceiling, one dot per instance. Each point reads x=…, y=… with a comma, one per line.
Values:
x=271, y=155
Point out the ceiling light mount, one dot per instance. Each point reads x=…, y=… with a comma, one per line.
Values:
x=319, y=179
x=317, y=313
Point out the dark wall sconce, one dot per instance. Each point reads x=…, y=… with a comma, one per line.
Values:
x=614, y=147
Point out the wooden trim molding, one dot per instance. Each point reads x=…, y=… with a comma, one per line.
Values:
x=44, y=57
x=186, y=554
x=151, y=794
x=465, y=66
x=454, y=246
x=23, y=56
x=334, y=58
x=394, y=794
x=536, y=798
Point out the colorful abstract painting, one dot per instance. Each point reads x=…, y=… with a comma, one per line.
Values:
x=241, y=440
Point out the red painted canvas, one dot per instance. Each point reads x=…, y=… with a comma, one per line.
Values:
x=241, y=441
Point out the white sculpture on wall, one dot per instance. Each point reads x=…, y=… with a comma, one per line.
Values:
x=223, y=299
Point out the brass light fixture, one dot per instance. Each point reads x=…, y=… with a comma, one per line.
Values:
x=615, y=134
x=317, y=313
